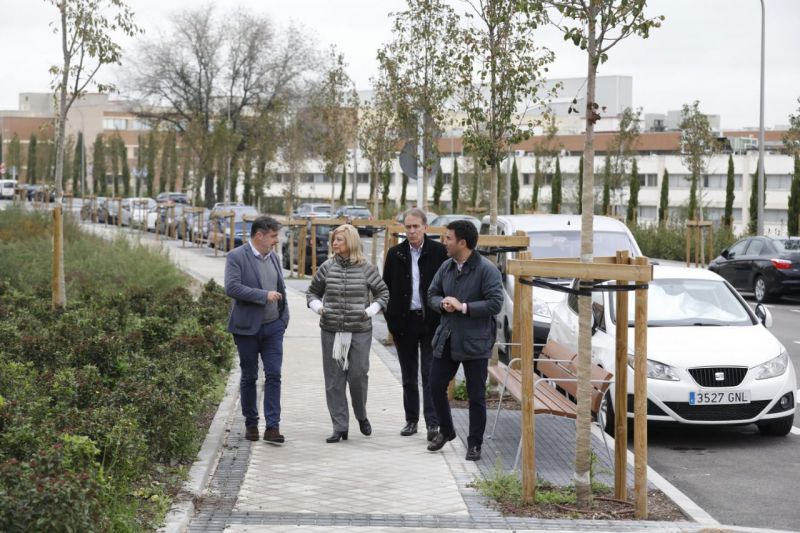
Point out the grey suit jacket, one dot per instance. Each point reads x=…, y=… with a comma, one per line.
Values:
x=243, y=284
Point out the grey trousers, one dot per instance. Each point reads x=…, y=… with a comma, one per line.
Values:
x=336, y=379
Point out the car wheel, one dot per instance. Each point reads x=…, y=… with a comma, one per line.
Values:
x=760, y=289
x=607, y=412
x=776, y=428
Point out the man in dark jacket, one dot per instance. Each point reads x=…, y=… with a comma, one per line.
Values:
x=408, y=272
x=259, y=317
x=467, y=291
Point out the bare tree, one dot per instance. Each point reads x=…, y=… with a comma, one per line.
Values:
x=87, y=29
x=335, y=105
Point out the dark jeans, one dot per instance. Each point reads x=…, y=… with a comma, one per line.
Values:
x=442, y=371
x=415, y=353
x=268, y=343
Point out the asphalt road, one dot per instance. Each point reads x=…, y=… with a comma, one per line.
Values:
x=737, y=475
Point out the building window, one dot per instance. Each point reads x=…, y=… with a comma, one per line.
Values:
x=680, y=181
x=720, y=182
x=139, y=125
x=775, y=216
x=777, y=182
x=648, y=212
x=363, y=177
x=115, y=124
x=648, y=180
x=527, y=179
x=446, y=178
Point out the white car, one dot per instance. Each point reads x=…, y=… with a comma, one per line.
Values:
x=134, y=210
x=552, y=236
x=710, y=358
x=7, y=188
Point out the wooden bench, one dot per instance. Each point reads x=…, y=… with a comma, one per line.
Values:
x=555, y=390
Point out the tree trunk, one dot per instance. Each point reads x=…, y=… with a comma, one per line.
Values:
x=493, y=201
x=59, y=290
x=583, y=442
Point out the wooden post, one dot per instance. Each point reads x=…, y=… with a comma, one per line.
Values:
x=688, y=243
x=515, y=323
x=314, y=249
x=290, y=236
x=621, y=391
x=57, y=256
x=69, y=203
x=710, y=243
x=232, y=237
x=525, y=311
x=301, y=242
x=640, y=399
x=697, y=247
x=386, y=239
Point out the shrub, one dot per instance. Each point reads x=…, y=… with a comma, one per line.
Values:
x=669, y=242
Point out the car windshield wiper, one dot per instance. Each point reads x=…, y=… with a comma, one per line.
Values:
x=705, y=324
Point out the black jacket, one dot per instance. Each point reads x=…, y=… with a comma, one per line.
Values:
x=397, y=276
x=480, y=286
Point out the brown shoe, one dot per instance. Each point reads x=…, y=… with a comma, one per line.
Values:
x=251, y=433
x=274, y=435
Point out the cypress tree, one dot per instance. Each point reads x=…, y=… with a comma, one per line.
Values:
x=165, y=164
x=141, y=151
x=31, y=170
x=454, y=186
x=386, y=183
x=663, y=202
x=403, y=192
x=344, y=183
x=14, y=159
x=729, y=195
x=752, y=226
x=633, y=200
x=438, y=185
x=607, y=186
x=514, y=188
x=692, y=210
x=126, y=171
x=555, y=195
x=79, y=167
x=99, y=166
x=537, y=179
x=1, y=154
x=794, y=199
x=152, y=150
x=580, y=185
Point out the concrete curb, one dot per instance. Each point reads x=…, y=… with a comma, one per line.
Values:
x=183, y=508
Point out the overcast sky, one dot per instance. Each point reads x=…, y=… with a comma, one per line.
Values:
x=707, y=50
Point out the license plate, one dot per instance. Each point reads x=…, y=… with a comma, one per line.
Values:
x=719, y=398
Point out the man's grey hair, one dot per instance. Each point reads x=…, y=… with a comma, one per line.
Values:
x=264, y=223
x=416, y=212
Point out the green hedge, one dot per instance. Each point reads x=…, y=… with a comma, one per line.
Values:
x=101, y=405
x=670, y=242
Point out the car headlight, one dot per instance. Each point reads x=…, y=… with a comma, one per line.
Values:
x=656, y=370
x=773, y=368
x=541, y=309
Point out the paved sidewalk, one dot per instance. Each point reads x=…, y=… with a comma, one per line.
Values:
x=383, y=482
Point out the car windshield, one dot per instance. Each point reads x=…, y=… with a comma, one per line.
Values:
x=322, y=208
x=689, y=302
x=357, y=212
x=787, y=245
x=547, y=244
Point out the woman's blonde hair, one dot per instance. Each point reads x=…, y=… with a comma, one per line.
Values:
x=352, y=240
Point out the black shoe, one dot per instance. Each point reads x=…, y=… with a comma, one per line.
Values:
x=409, y=429
x=274, y=435
x=336, y=436
x=439, y=440
x=432, y=431
x=365, y=427
x=474, y=453
x=251, y=433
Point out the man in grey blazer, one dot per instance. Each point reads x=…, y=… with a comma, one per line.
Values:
x=258, y=320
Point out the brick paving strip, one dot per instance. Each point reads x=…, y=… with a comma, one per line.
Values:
x=383, y=482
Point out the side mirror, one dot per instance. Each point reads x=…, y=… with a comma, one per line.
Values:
x=725, y=254
x=763, y=314
x=597, y=318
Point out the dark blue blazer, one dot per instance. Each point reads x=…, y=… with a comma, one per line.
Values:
x=243, y=284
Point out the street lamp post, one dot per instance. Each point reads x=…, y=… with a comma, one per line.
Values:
x=761, y=184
